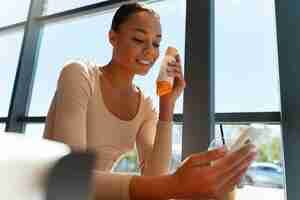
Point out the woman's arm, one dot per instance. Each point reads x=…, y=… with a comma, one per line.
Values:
x=196, y=177
x=154, y=141
x=155, y=145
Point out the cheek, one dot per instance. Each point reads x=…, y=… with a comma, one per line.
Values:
x=156, y=54
x=127, y=52
x=131, y=48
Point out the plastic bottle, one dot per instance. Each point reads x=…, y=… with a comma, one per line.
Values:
x=164, y=83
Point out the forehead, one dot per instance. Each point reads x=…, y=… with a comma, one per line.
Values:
x=144, y=21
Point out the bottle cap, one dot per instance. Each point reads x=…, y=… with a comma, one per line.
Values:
x=172, y=51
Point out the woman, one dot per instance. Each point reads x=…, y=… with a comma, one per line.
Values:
x=99, y=108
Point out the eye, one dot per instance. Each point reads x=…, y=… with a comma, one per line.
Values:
x=138, y=40
x=156, y=45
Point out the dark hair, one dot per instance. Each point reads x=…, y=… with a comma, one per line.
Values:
x=127, y=10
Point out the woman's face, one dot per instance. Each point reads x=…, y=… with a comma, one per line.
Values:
x=136, y=43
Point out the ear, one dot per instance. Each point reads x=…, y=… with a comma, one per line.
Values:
x=112, y=35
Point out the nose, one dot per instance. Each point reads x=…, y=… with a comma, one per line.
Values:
x=149, y=50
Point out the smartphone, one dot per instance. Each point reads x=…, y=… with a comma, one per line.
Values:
x=243, y=139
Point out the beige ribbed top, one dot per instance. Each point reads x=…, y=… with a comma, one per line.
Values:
x=78, y=117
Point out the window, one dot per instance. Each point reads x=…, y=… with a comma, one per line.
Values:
x=10, y=46
x=55, y=6
x=86, y=38
x=246, y=68
x=265, y=175
x=13, y=11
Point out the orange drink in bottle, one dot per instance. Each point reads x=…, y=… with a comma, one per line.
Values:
x=164, y=83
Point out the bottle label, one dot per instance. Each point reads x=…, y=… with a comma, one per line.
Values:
x=164, y=83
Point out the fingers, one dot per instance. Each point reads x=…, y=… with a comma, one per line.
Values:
x=232, y=162
x=174, y=70
x=174, y=73
x=205, y=158
x=177, y=57
x=235, y=158
x=175, y=65
x=231, y=184
x=234, y=177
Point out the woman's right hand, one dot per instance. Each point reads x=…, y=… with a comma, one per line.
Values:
x=212, y=174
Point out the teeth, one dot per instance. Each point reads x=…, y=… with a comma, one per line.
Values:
x=144, y=62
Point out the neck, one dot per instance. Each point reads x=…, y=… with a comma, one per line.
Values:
x=118, y=77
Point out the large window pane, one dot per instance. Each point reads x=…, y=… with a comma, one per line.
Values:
x=246, y=72
x=13, y=11
x=265, y=178
x=87, y=38
x=2, y=128
x=34, y=130
x=10, y=46
x=55, y=6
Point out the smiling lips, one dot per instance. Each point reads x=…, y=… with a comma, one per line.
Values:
x=144, y=62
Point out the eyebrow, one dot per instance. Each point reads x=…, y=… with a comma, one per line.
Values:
x=144, y=32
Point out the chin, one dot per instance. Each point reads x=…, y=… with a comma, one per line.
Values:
x=143, y=73
x=143, y=70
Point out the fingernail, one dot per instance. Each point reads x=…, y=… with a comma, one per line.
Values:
x=172, y=63
x=253, y=150
x=254, y=156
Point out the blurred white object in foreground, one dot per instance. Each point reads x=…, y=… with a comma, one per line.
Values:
x=24, y=165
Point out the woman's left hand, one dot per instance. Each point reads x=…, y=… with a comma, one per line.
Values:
x=175, y=70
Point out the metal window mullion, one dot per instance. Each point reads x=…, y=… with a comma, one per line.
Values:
x=23, y=83
x=288, y=32
x=248, y=117
x=100, y=7
x=3, y=119
x=198, y=127
x=221, y=118
x=41, y=119
x=81, y=11
x=12, y=27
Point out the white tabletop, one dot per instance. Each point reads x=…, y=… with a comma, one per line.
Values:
x=24, y=165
